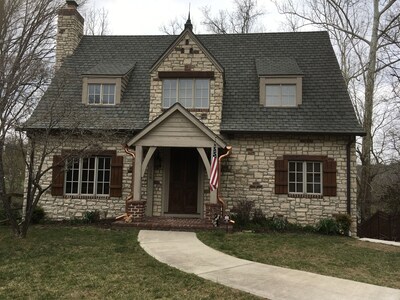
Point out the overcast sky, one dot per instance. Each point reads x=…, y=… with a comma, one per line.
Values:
x=143, y=17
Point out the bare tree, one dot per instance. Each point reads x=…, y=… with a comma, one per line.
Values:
x=96, y=21
x=242, y=19
x=173, y=27
x=27, y=31
x=365, y=34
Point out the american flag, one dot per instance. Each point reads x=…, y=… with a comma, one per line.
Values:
x=214, y=170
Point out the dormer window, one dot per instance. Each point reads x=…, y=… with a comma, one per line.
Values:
x=104, y=84
x=281, y=81
x=99, y=93
x=280, y=95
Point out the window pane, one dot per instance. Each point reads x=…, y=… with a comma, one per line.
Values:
x=186, y=92
x=273, y=90
x=299, y=188
x=317, y=188
x=169, y=92
x=94, y=93
x=292, y=188
x=108, y=93
x=202, y=93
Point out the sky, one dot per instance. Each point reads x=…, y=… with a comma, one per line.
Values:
x=145, y=17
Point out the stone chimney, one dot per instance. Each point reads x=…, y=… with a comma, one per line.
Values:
x=69, y=31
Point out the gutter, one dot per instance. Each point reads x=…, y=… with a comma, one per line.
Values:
x=348, y=175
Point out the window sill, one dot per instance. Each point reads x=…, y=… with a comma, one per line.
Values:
x=87, y=196
x=305, y=196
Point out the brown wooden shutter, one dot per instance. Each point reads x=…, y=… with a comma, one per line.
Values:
x=116, y=176
x=281, y=176
x=329, y=169
x=57, y=186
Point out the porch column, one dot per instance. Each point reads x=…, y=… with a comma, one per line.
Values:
x=137, y=191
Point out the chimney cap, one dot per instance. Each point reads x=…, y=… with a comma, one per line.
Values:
x=72, y=4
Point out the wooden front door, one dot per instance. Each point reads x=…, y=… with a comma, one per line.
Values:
x=183, y=181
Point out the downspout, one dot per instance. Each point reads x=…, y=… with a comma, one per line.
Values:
x=219, y=198
x=348, y=164
x=132, y=153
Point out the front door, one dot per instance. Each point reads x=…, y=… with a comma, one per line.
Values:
x=183, y=181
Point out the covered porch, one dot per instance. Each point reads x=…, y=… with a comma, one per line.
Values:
x=171, y=168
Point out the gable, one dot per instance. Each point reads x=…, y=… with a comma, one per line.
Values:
x=178, y=128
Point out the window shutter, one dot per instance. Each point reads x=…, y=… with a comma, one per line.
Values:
x=116, y=176
x=281, y=176
x=329, y=169
x=57, y=186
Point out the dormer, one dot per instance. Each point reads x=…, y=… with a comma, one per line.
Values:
x=105, y=83
x=189, y=74
x=281, y=82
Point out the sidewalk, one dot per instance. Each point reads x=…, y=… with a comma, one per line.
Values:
x=184, y=251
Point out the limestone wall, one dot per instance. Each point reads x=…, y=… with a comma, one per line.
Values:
x=249, y=173
x=69, y=207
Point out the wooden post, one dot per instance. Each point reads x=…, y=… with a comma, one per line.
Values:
x=137, y=190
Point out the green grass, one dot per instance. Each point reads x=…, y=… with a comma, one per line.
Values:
x=93, y=263
x=336, y=256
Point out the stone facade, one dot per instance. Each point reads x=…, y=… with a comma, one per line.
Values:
x=249, y=173
x=70, y=207
x=69, y=31
x=192, y=59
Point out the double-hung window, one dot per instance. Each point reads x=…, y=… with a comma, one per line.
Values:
x=305, y=177
x=88, y=176
x=280, y=95
x=100, y=93
x=191, y=93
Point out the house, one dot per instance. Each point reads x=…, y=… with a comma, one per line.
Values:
x=277, y=100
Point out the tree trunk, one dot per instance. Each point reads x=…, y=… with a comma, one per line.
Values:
x=365, y=197
x=5, y=198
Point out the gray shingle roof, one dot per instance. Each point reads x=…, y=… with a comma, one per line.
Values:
x=277, y=66
x=326, y=105
x=111, y=68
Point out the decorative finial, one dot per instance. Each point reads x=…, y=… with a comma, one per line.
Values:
x=188, y=24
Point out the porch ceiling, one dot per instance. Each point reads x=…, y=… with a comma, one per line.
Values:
x=177, y=127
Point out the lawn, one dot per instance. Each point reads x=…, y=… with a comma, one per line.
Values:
x=328, y=255
x=93, y=263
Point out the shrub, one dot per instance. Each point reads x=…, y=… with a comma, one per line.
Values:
x=343, y=222
x=327, y=226
x=241, y=213
x=278, y=223
x=91, y=216
x=259, y=217
x=4, y=217
x=38, y=215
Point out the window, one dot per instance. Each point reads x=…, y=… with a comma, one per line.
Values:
x=99, y=93
x=280, y=94
x=191, y=93
x=88, y=176
x=102, y=91
x=305, y=177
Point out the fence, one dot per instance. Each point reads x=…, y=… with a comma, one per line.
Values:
x=381, y=226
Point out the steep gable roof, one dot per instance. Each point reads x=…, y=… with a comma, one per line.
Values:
x=193, y=37
x=326, y=106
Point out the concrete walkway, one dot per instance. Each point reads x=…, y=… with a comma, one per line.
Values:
x=184, y=251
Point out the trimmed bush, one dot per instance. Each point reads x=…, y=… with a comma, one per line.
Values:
x=91, y=216
x=327, y=226
x=38, y=215
x=343, y=222
x=241, y=213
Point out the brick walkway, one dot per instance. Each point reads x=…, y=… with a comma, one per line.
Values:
x=167, y=223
